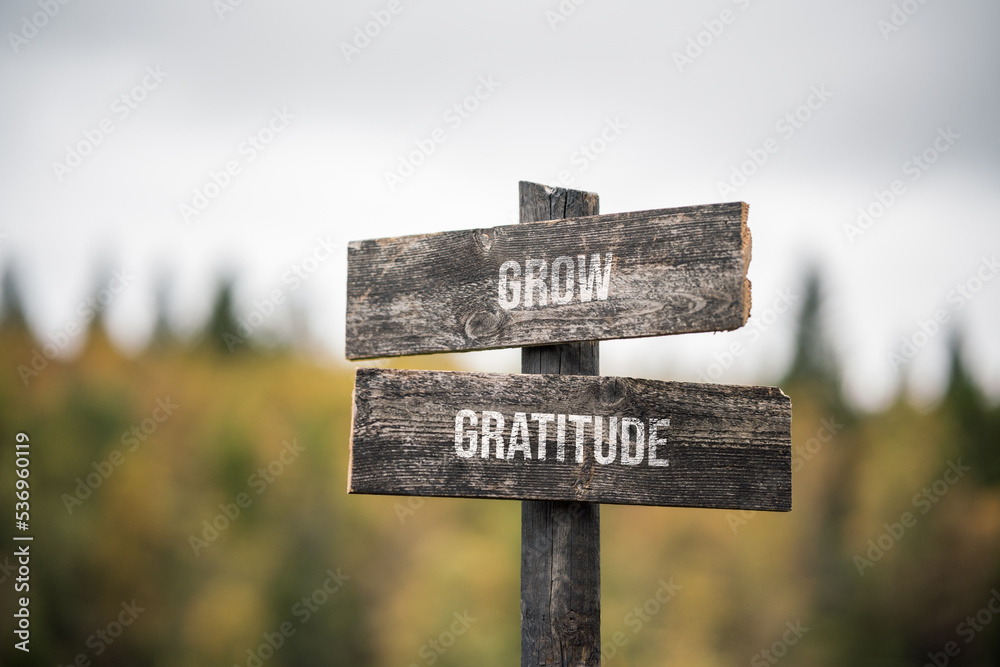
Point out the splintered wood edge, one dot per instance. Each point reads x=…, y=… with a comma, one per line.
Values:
x=549, y=189
x=747, y=251
x=791, y=415
x=350, y=438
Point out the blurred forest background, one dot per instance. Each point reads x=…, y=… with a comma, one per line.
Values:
x=134, y=457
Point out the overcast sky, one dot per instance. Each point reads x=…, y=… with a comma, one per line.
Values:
x=118, y=117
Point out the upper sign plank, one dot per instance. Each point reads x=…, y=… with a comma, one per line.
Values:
x=570, y=437
x=623, y=275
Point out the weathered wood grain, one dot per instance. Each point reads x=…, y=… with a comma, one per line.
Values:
x=726, y=446
x=673, y=271
x=560, y=540
x=560, y=584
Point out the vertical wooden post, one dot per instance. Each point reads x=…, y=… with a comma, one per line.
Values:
x=560, y=541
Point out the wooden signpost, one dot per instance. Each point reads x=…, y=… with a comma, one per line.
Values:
x=598, y=277
x=570, y=437
x=552, y=437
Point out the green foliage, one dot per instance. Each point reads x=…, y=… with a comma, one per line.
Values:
x=11, y=305
x=222, y=329
x=975, y=425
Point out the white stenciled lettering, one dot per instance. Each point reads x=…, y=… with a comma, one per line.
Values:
x=509, y=299
x=535, y=273
x=519, y=431
x=629, y=441
x=460, y=436
x=580, y=421
x=654, y=441
x=542, y=418
x=492, y=433
x=562, y=265
x=631, y=424
x=560, y=437
x=541, y=283
x=612, y=440
x=592, y=279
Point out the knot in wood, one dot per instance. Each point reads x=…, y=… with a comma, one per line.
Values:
x=485, y=322
x=613, y=391
x=485, y=238
x=571, y=623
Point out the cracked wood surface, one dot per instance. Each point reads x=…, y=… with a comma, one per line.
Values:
x=728, y=447
x=676, y=270
x=560, y=540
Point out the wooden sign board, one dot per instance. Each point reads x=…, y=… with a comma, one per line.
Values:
x=570, y=437
x=624, y=275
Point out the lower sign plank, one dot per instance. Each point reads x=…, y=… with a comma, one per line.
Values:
x=570, y=437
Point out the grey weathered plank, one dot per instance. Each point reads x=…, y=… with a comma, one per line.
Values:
x=727, y=446
x=560, y=540
x=673, y=271
x=560, y=583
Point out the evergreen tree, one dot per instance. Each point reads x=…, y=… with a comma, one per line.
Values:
x=813, y=381
x=12, y=315
x=97, y=305
x=813, y=358
x=163, y=335
x=814, y=365
x=977, y=427
x=222, y=330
